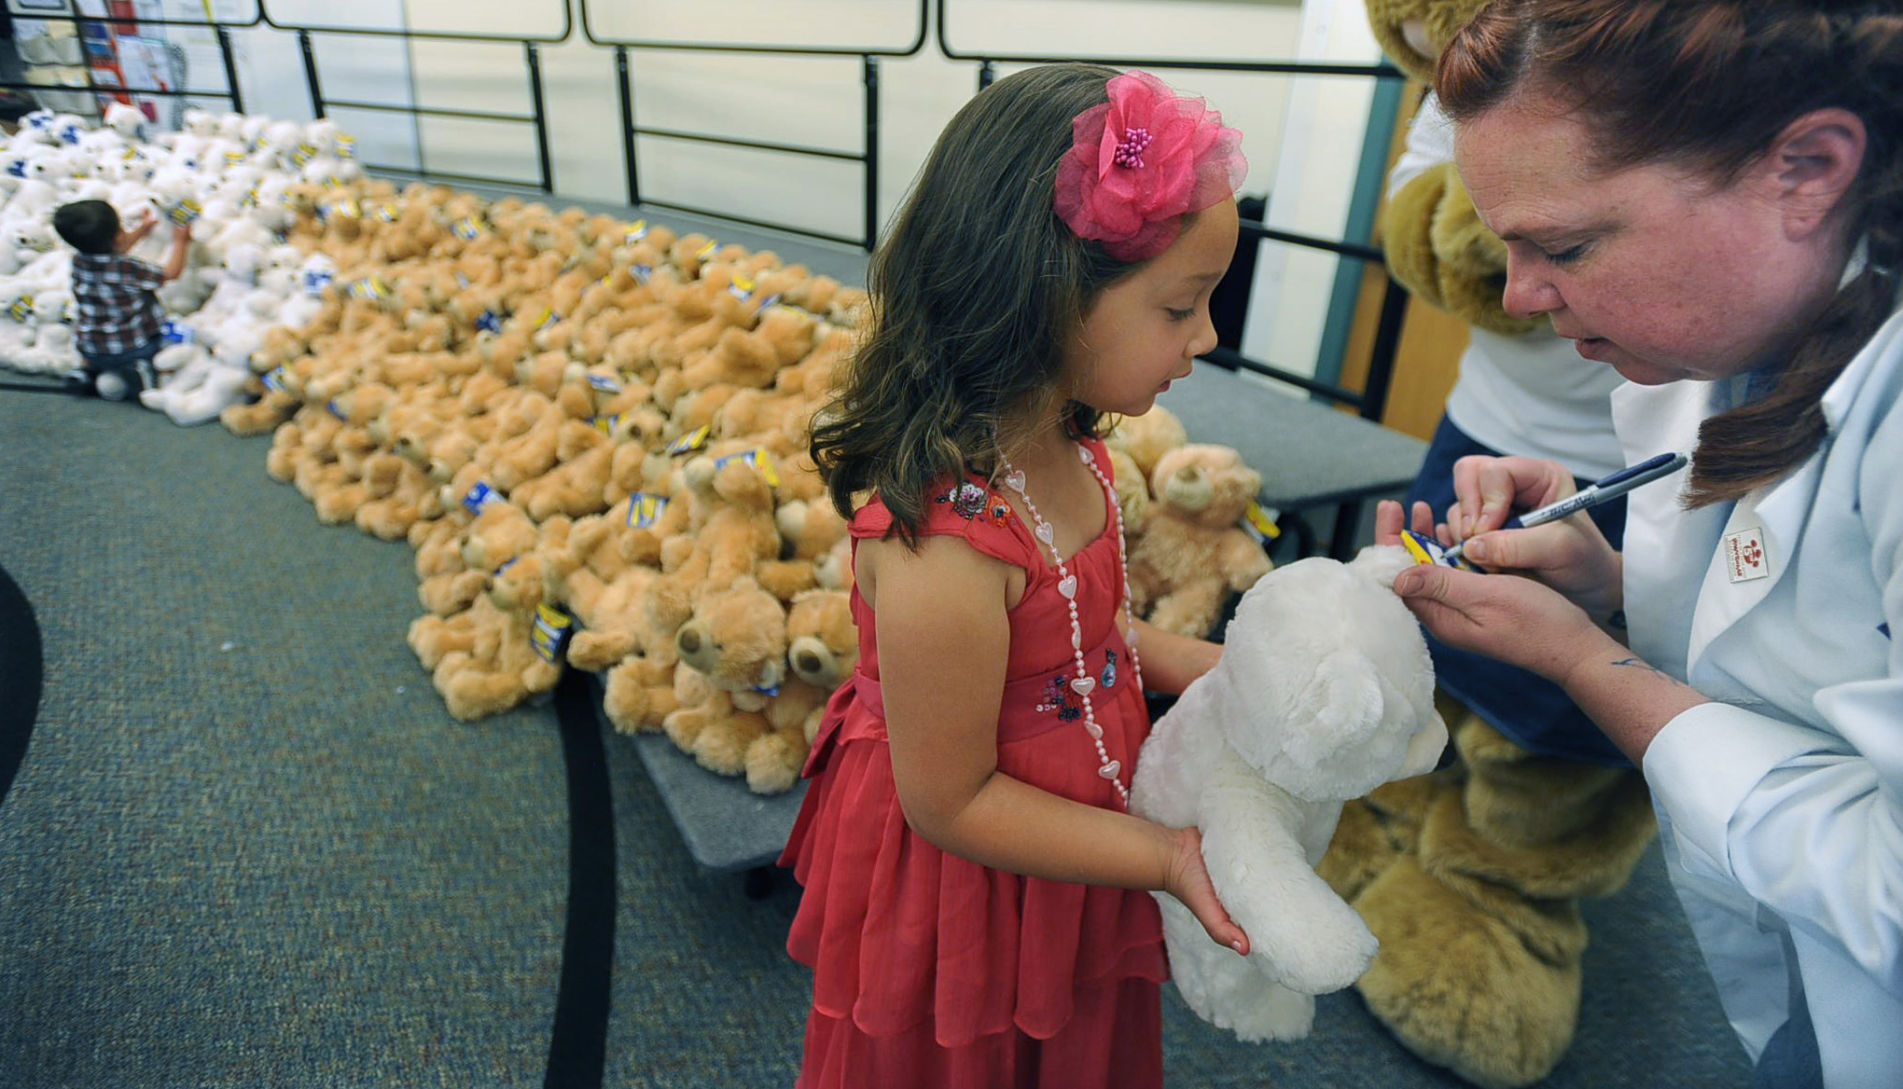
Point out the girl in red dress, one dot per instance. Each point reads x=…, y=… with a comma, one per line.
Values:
x=976, y=910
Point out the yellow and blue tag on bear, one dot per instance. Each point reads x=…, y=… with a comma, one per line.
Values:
x=1427, y=550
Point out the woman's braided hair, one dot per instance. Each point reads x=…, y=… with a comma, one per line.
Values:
x=1711, y=84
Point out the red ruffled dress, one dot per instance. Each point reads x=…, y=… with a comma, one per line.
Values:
x=933, y=971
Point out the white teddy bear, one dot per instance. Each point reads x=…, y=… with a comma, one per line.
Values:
x=1324, y=691
x=230, y=281
x=195, y=386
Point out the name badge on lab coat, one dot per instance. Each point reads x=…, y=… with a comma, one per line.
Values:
x=1744, y=555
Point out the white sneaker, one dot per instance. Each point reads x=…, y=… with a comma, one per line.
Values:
x=112, y=385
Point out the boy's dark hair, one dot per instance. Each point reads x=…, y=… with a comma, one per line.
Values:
x=89, y=226
x=975, y=293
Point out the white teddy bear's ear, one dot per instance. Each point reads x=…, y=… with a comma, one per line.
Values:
x=1344, y=703
x=1423, y=753
x=1381, y=563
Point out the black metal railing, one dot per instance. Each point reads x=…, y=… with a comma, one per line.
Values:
x=1371, y=400
x=536, y=118
x=867, y=155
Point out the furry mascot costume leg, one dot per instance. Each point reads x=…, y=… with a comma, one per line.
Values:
x=1470, y=876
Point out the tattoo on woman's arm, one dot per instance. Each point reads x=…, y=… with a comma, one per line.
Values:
x=1641, y=663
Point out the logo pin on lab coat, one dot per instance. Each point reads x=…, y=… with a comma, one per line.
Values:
x=1744, y=555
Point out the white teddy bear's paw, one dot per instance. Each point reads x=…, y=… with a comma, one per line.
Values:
x=1331, y=958
x=1275, y=1013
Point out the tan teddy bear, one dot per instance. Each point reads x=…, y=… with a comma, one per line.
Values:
x=638, y=693
x=483, y=660
x=732, y=659
x=729, y=535
x=273, y=407
x=1133, y=491
x=750, y=357
x=1148, y=437
x=813, y=530
x=1192, y=552
x=577, y=483
x=405, y=497
x=822, y=644
x=822, y=648
x=520, y=583
x=446, y=584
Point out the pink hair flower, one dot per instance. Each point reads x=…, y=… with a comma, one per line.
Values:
x=1140, y=162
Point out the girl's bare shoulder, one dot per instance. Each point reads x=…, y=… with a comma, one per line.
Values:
x=942, y=573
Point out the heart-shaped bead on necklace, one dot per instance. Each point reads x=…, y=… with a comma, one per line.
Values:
x=1084, y=684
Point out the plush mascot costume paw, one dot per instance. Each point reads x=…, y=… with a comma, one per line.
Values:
x=1470, y=876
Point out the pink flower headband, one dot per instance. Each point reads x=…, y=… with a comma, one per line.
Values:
x=1140, y=162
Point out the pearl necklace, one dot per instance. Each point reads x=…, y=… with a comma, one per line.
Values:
x=1083, y=684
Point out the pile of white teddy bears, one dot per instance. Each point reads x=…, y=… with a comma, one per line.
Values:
x=228, y=176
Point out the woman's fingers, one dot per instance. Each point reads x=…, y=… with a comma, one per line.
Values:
x=1489, y=490
x=1516, y=620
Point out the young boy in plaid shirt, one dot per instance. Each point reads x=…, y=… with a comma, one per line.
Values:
x=117, y=327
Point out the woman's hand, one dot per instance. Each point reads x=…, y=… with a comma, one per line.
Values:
x=1487, y=490
x=1512, y=619
x=1569, y=555
x=1187, y=879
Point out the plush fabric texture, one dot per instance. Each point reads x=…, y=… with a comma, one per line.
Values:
x=1471, y=878
x=1324, y=691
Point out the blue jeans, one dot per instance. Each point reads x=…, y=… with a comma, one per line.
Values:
x=1790, y=1059
x=115, y=361
x=1530, y=710
x=134, y=364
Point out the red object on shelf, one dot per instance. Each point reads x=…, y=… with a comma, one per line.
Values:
x=102, y=53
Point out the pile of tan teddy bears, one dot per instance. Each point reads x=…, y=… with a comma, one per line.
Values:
x=594, y=436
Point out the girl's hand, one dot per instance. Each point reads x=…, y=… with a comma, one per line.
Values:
x=1515, y=620
x=1188, y=880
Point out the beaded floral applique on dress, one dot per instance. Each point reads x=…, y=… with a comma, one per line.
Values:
x=969, y=501
x=1061, y=699
x=1058, y=698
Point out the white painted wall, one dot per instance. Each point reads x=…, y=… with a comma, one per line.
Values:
x=1302, y=135
x=1314, y=185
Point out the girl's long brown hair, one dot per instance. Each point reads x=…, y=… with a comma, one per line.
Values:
x=1711, y=84
x=975, y=291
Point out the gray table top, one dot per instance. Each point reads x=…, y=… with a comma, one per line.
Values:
x=727, y=828
x=1308, y=453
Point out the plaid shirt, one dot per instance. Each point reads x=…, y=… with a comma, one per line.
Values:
x=117, y=310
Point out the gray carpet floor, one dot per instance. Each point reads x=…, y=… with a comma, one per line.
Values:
x=248, y=847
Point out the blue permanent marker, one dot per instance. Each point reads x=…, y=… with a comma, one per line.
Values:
x=1592, y=495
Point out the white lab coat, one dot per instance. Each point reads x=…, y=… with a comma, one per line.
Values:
x=1780, y=803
